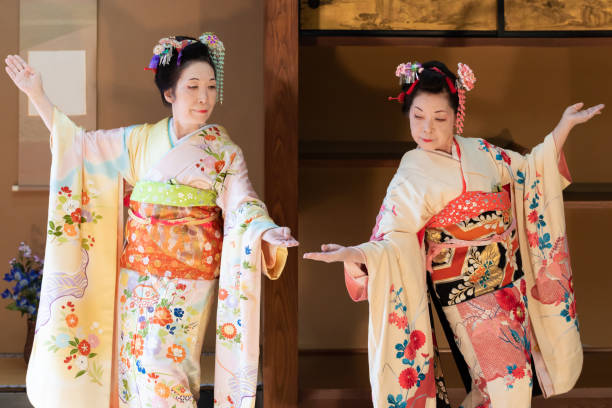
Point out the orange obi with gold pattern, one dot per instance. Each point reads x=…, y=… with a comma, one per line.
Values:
x=472, y=246
x=174, y=241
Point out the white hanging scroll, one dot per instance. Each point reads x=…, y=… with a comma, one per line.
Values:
x=59, y=39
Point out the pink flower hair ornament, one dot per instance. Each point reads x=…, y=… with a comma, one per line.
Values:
x=465, y=82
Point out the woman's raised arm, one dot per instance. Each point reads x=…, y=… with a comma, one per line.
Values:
x=29, y=82
x=572, y=116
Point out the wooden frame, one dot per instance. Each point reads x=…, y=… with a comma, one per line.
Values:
x=500, y=32
x=280, y=319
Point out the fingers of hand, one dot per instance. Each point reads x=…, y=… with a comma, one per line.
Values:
x=10, y=72
x=318, y=256
x=21, y=64
x=330, y=247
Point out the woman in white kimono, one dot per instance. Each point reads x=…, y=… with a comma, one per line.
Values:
x=485, y=227
x=193, y=218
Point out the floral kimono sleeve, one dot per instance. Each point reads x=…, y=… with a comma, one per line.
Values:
x=103, y=151
x=413, y=215
x=400, y=343
x=72, y=357
x=537, y=180
x=242, y=263
x=240, y=204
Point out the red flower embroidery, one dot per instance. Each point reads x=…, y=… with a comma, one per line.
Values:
x=393, y=317
x=518, y=373
x=505, y=157
x=572, y=309
x=76, y=215
x=219, y=166
x=417, y=339
x=84, y=347
x=408, y=378
x=181, y=286
x=210, y=137
x=533, y=217
x=506, y=299
x=523, y=287
x=409, y=352
x=402, y=322
x=532, y=237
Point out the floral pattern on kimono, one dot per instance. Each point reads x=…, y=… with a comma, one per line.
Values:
x=425, y=183
x=89, y=165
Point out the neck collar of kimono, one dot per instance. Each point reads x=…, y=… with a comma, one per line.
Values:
x=171, y=133
x=454, y=154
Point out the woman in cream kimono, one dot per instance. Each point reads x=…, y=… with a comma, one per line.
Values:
x=124, y=326
x=486, y=227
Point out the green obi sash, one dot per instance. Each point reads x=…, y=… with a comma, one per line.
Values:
x=154, y=192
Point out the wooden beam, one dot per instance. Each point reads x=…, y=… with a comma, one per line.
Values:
x=280, y=318
x=330, y=41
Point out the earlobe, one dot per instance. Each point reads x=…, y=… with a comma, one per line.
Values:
x=169, y=95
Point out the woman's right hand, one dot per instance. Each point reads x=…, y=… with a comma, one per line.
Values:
x=23, y=75
x=336, y=253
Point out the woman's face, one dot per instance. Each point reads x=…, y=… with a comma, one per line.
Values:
x=432, y=121
x=194, y=95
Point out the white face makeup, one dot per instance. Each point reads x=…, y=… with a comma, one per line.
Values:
x=432, y=121
x=194, y=96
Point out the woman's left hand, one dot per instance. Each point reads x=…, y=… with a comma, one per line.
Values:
x=574, y=115
x=280, y=236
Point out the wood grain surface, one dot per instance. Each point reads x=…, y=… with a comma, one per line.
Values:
x=280, y=317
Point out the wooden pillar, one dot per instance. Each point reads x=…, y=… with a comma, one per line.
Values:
x=280, y=346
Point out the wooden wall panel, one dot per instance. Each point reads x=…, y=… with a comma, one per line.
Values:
x=281, y=169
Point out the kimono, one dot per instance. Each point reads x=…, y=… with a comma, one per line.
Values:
x=486, y=227
x=123, y=324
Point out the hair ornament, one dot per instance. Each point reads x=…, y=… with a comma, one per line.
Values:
x=465, y=82
x=408, y=73
x=162, y=54
x=217, y=54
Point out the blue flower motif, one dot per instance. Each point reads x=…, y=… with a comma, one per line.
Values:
x=178, y=312
x=62, y=340
x=6, y=294
x=140, y=367
x=8, y=277
x=247, y=250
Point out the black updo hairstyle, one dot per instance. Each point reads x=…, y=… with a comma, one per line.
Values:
x=431, y=81
x=167, y=76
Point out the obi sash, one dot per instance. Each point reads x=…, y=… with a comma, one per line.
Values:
x=173, y=231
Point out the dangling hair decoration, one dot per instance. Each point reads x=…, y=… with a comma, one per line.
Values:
x=217, y=54
x=465, y=82
x=162, y=54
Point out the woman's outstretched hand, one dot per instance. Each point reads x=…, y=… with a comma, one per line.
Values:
x=572, y=116
x=23, y=75
x=280, y=236
x=29, y=82
x=336, y=253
